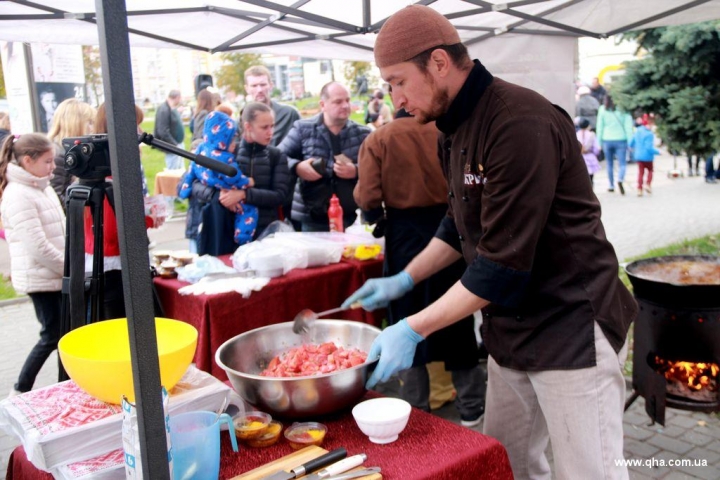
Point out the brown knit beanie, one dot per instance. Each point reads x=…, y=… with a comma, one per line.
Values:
x=411, y=31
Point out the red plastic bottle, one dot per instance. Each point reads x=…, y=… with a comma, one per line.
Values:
x=335, y=215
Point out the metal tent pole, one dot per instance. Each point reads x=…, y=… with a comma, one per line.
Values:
x=129, y=209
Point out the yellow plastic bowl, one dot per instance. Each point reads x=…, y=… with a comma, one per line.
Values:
x=97, y=356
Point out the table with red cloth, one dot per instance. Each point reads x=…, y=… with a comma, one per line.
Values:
x=430, y=447
x=222, y=316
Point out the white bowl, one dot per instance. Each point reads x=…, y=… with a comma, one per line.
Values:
x=382, y=419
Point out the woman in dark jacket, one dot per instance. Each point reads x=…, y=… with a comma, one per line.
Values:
x=263, y=163
x=266, y=165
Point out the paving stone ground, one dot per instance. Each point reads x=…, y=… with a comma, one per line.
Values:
x=678, y=209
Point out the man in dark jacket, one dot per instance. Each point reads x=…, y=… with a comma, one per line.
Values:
x=539, y=265
x=169, y=128
x=597, y=91
x=322, y=151
x=259, y=85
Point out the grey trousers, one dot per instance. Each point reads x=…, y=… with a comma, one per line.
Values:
x=579, y=411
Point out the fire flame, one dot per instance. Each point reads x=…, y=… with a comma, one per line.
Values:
x=696, y=376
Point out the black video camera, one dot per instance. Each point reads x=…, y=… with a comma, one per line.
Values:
x=88, y=157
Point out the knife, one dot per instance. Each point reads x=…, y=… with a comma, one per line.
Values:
x=311, y=466
x=339, y=467
x=355, y=474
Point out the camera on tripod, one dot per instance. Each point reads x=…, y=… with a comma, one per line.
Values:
x=88, y=157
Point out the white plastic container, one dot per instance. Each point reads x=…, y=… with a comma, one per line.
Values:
x=267, y=262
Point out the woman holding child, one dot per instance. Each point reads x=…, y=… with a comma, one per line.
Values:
x=266, y=164
x=257, y=160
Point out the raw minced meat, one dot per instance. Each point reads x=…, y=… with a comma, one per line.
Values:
x=313, y=360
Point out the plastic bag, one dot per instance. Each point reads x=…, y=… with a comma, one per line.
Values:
x=193, y=272
x=275, y=227
x=156, y=209
x=131, y=437
x=270, y=257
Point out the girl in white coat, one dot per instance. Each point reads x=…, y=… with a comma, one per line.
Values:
x=35, y=230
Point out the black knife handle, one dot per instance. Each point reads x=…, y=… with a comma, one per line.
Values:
x=320, y=462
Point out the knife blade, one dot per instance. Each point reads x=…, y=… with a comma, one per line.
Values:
x=338, y=467
x=355, y=474
x=311, y=466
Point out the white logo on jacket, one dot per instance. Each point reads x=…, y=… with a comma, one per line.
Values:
x=473, y=179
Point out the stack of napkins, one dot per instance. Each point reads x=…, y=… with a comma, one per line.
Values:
x=110, y=466
x=61, y=425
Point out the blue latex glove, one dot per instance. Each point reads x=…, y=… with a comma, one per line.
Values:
x=378, y=292
x=396, y=348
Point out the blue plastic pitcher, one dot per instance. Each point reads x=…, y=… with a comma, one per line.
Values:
x=195, y=448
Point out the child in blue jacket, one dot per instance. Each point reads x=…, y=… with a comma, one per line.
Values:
x=644, y=151
x=218, y=144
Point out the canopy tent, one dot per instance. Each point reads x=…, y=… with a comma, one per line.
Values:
x=337, y=29
x=529, y=42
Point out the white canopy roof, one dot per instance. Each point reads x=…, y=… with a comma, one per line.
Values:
x=338, y=29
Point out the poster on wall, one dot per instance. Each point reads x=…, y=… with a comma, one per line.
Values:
x=57, y=63
x=17, y=88
x=59, y=74
x=49, y=96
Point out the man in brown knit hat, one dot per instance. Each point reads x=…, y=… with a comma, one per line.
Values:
x=523, y=215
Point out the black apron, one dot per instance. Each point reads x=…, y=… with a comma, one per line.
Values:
x=407, y=233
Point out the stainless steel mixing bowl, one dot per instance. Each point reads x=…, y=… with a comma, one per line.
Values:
x=243, y=358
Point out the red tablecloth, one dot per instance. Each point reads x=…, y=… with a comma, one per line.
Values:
x=222, y=316
x=429, y=448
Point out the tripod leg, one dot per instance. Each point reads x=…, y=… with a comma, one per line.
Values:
x=96, y=286
x=73, y=300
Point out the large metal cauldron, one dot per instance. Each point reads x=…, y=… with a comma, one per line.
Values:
x=243, y=357
x=674, y=294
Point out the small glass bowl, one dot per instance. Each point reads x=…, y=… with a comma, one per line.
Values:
x=251, y=424
x=301, y=435
x=270, y=437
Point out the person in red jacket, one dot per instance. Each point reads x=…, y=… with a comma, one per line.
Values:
x=113, y=294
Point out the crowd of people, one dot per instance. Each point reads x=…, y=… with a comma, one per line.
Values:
x=529, y=252
x=606, y=132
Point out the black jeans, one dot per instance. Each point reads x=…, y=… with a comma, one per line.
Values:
x=48, y=309
x=113, y=296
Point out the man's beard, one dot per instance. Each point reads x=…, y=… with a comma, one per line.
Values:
x=438, y=106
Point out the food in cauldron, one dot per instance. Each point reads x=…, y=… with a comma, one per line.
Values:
x=313, y=359
x=680, y=272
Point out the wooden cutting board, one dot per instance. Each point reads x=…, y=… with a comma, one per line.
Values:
x=295, y=459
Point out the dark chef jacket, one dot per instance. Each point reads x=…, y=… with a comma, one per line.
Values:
x=523, y=214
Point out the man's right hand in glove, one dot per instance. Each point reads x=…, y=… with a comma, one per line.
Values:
x=378, y=292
